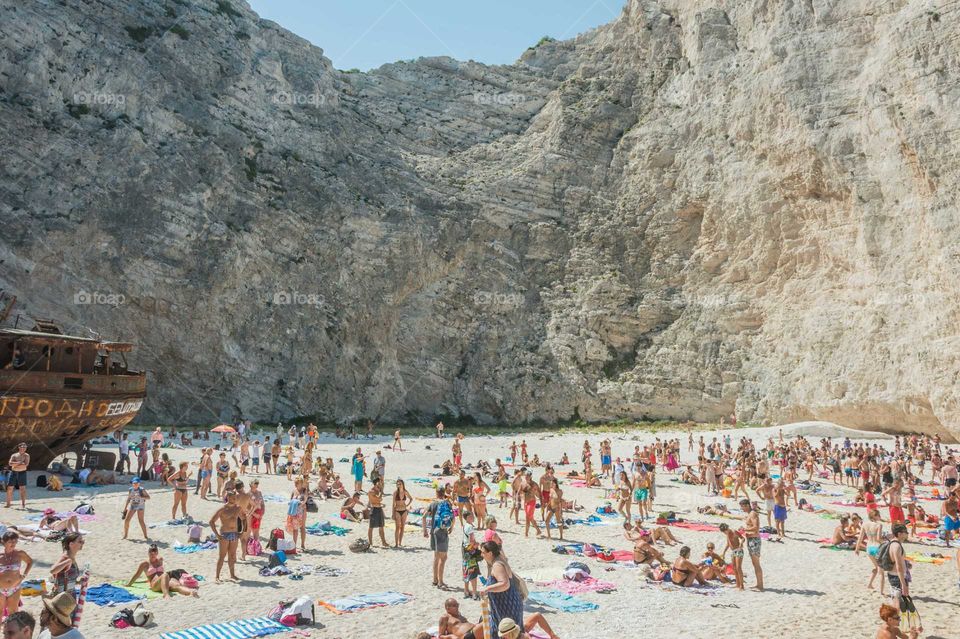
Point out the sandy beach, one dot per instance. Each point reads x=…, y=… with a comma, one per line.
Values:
x=811, y=592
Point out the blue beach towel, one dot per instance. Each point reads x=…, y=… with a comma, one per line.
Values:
x=363, y=602
x=242, y=629
x=188, y=549
x=106, y=595
x=561, y=601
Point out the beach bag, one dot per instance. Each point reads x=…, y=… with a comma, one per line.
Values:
x=884, y=560
x=299, y=613
x=84, y=509
x=275, y=534
x=359, y=545
x=41, y=481
x=254, y=548
x=293, y=508
x=189, y=581
x=521, y=586
x=286, y=545
x=141, y=616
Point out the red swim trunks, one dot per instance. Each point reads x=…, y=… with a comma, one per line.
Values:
x=530, y=508
x=896, y=514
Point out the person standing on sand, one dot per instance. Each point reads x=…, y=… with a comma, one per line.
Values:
x=358, y=470
x=224, y=526
x=751, y=531
x=437, y=523
x=765, y=492
x=871, y=534
x=894, y=498
x=124, y=453
x=439, y=430
x=275, y=451
x=401, y=505
x=178, y=481
x=780, y=509
x=530, y=494
x=377, y=519
x=245, y=503
x=136, y=503
x=396, y=440
x=19, y=462
x=736, y=550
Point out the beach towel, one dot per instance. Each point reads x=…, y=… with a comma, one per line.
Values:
x=561, y=601
x=242, y=629
x=278, y=499
x=695, y=525
x=187, y=549
x=578, y=483
x=926, y=559
x=109, y=594
x=588, y=584
x=358, y=603
x=64, y=515
x=422, y=480
x=140, y=589
x=326, y=528
x=616, y=555
x=33, y=587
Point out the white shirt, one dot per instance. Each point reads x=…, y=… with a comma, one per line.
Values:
x=73, y=633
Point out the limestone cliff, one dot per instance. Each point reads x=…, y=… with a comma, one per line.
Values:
x=704, y=206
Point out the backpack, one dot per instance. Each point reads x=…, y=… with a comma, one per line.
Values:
x=884, y=560
x=253, y=547
x=84, y=509
x=443, y=515
x=359, y=545
x=275, y=534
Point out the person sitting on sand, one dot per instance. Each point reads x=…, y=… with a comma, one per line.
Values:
x=453, y=625
x=52, y=521
x=711, y=554
x=643, y=551
x=684, y=572
x=159, y=580
x=717, y=510
x=658, y=534
x=349, y=509
x=841, y=535
x=890, y=624
x=689, y=477
x=564, y=461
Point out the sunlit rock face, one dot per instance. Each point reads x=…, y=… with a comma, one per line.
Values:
x=701, y=208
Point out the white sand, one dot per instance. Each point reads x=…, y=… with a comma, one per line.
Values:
x=810, y=592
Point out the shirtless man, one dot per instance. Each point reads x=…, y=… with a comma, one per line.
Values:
x=453, y=625
x=461, y=490
x=224, y=526
x=780, y=509
x=247, y=506
x=751, y=530
x=530, y=493
x=951, y=519
x=733, y=544
x=546, y=483
x=789, y=476
x=894, y=502
x=19, y=461
x=765, y=492
x=515, y=487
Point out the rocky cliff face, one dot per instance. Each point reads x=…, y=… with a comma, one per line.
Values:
x=703, y=207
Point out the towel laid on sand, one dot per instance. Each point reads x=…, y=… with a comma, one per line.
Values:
x=561, y=601
x=140, y=589
x=109, y=594
x=242, y=629
x=326, y=528
x=578, y=587
x=187, y=549
x=695, y=525
x=365, y=602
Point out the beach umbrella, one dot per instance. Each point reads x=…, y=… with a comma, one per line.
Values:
x=223, y=428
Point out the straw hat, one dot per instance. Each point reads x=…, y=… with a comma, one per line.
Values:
x=508, y=628
x=61, y=606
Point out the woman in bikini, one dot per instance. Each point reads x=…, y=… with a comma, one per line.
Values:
x=644, y=552
x=554, y=508
x=871, y=533
x=179, y=482
x=10, y=576
x=158, y=579
x=52, y=521
x=401, y=504
x=297, y=513
x=625, y=494
x=66, y=571
x=684, y=572
x=223, y=472
x=480, y=492
x=136, y=502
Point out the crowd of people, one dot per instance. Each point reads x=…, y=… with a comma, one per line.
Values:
x=762, y=478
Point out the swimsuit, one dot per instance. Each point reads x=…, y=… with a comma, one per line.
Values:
x=753, y=545
x=230, y=536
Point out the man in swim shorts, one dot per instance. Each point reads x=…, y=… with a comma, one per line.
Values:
x=751, y=531
x=780, y=509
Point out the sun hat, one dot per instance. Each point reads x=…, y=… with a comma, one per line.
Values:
x=507, y=627
x=61, y=606
x=48, y=511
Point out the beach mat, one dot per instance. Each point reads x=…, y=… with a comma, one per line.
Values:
x=561, y=602
x=358, y=603
x=242, y=629
x=578, y=587
x=326, y=528
x=140, y=589
x=109, y=594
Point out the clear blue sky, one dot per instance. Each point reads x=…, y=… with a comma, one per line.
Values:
x=364, y=34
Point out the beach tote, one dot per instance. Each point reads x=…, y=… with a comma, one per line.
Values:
x=520, y=585
x=253, y=547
